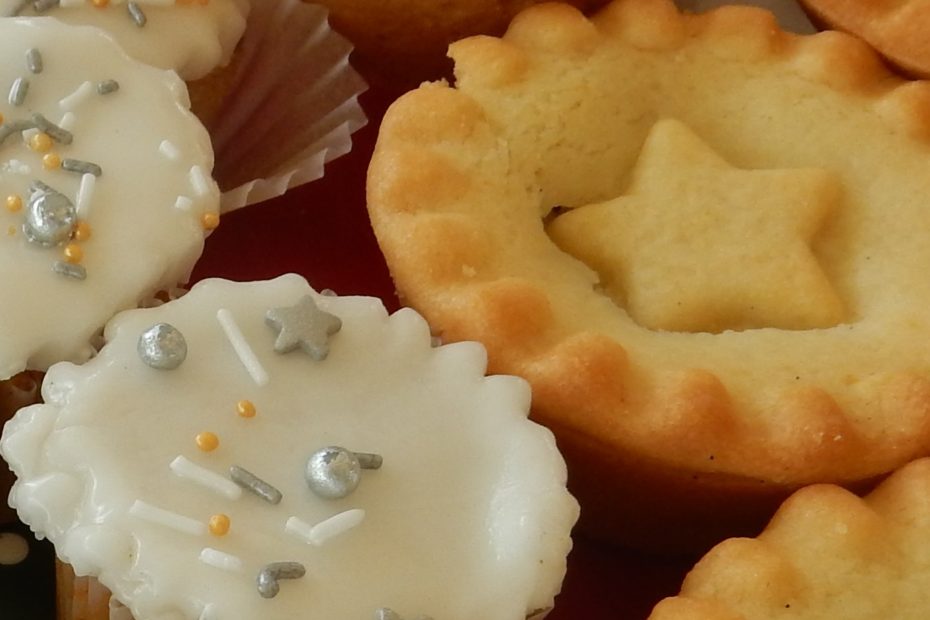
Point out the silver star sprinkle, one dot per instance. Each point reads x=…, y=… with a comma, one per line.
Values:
x=303, y=325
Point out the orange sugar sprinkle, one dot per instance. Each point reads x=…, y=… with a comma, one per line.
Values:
x=73, y=253
x=81, y=231
x=100, y=4
x=1, y=118
x=14, y=202
x=51, y=161
x=219, y=525
x=207, y=441
x=40, y=142
x=210, y=220
x=245, y=408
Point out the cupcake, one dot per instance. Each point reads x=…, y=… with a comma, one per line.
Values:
x=195, y=39
x=270, y=80
x=258, y=450
x=191, y=38
x=106, y=188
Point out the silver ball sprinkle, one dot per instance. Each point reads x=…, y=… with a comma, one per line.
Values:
x=333, y=472
x=162, y=346
x=50, y=218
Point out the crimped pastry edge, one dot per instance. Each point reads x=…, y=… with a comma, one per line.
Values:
x=577, y=376
x=770, y=570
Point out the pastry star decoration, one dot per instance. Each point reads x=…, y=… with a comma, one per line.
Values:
x=303, y=325
x=697, y=245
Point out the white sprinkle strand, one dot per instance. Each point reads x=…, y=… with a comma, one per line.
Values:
x=326, y=529
x=220, y=560
x=72, y=3
x=67, y=121
x=16, y=166
x=79, y=96
x=29, y=134
x=173, y=520
x=208, y=613
x=184, y=468
x=183, y=203
x=169, y=150
x=241, y=347
x=199, y=181
x=85, y=195
x=298, y=527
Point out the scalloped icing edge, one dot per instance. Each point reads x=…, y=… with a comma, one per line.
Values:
x=53, y=501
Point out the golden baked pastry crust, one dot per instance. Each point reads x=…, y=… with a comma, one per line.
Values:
x=826, y=554
x=896, y=28
x=682, y=436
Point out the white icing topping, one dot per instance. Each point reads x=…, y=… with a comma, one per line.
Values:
x=467, y=517
x=139, y=243
x=192, y=38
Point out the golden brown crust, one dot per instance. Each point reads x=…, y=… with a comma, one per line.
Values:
x=467, y=175
x=896, y=28
x=825, y=554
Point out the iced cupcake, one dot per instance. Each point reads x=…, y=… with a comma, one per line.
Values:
x=195, y=39
x=192, y=38
x=105, y=187
x=270, y=80
x=262, y=451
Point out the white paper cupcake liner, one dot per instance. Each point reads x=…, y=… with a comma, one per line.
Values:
x=293, y=105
